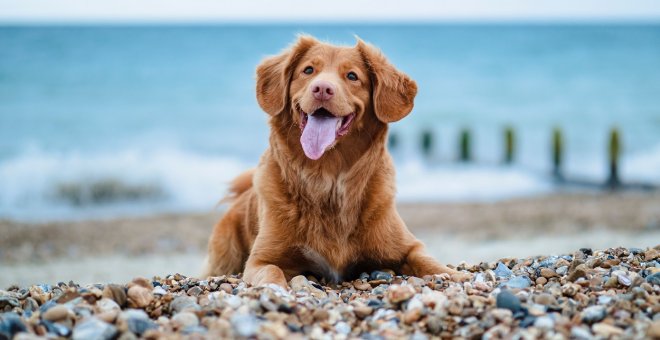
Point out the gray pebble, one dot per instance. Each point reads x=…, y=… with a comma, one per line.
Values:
x=506, y=299
x=94, y=329
x=503, y=271
x=517, y=282
x=137, y=321
x=184, y=303
x=380, y=275
x=10, y=324
x=342, y=328
x=245, y=325
x=593, y=314
x=654, y=279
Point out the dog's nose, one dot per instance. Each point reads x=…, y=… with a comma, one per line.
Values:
x=323, y=90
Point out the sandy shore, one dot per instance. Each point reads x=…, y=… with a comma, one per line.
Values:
x=119, y=249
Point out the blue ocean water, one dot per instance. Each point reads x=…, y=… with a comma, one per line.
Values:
x=122, y=119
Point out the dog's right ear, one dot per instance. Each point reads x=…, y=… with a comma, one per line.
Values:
x=274, y=75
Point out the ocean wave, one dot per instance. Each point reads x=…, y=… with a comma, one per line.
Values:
x=39, y=185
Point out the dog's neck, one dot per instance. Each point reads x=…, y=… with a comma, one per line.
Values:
x=341, y=174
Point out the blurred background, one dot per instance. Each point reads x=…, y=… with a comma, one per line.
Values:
x=119, y=129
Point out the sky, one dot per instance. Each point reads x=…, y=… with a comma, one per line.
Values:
x=326, y=11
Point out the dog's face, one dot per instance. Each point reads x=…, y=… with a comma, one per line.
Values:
x=328, y=91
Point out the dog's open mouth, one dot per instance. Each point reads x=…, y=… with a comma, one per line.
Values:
x=320, y=131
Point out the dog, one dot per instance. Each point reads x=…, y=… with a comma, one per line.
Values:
x=321, y=200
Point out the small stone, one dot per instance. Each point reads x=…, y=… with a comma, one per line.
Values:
x=233, y=301
x=159, y=291
x=135, y=320
x=362, y=311
x=93, y=328
x=651, y=254
x=581, y=333
x=654, y=279
x=593, y=314
x=320, y=315
x=399, y=293
x=541, y=281
x=544, y=322
x=380, y=275
x=139, y=296
x=519, y=282
x=360, y=285
x=578, y=272
x=545, y=299
x=184, y=303
x=194, y=291
x=300, y=283
x=116, y=293
x=506, y=299
x=562, y=270
x=10, y=325
x=57, y=313
x=570, y=289
x=606, y=330
x=502, y=271
x=501, y=314
x=653, y=332
x=186, y=319
x=226, y=287
x=548, y=273
x=411, y=316
x=342, y=328
x=623, y=279
x=245, y=325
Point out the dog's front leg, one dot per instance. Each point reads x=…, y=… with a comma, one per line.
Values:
x=261, y=273
x=419, y=263
x=266, y=261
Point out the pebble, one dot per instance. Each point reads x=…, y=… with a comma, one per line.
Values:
x=654, y=279
x=140, y=296
x=56, y=313
x=519, y=282
x=503, y=271
x=94, y=329
x=116, y=293
x=606, y=330
x=380, y=275
x=245, y=325
x=136, y=321
x=506, y=300
x=400, y=293
x=184, y=303
x=186, y=319
x=479, y=304
x=593, y=314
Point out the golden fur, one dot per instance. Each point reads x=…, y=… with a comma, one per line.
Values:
x=334, y=217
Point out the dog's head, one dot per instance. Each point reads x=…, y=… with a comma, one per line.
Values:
x=332, y=92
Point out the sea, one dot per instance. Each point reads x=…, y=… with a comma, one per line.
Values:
x=100, y=121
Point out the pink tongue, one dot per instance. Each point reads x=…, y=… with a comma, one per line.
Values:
x=319, y=133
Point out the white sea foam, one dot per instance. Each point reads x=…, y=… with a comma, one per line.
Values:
x=38, y=185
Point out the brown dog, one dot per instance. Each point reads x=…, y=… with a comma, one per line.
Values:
x=321, y=200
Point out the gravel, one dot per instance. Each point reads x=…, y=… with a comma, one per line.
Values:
x=590, y=293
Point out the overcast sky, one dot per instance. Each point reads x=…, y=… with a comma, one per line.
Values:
x=328, y=10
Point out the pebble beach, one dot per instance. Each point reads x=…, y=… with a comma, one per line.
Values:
x=610, y=293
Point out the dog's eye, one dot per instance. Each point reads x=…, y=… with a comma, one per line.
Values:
x=308, y=70
x=352, y=76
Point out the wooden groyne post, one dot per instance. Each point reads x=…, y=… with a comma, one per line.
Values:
x=557, y=153
x=427, y=143
x=465, y=146
x=509, y=145
x=614, y=153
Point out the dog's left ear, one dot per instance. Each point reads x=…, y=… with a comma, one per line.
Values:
x=274, y=76
x=393, y=91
